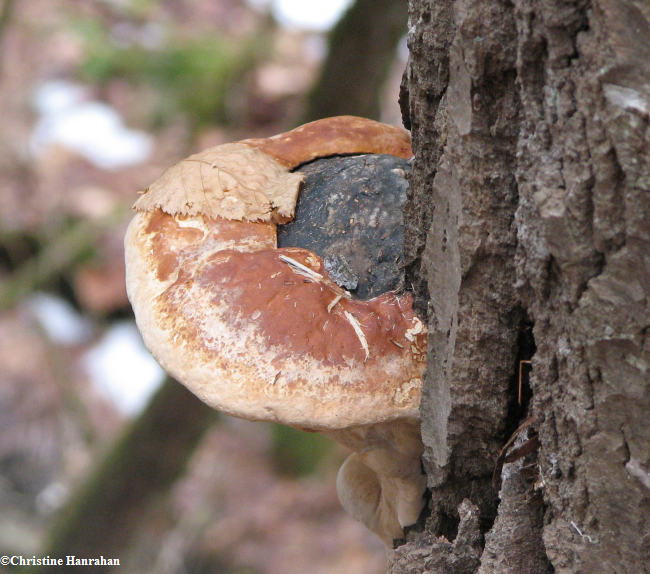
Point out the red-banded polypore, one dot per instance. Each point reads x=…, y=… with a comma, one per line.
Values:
x=262, y=332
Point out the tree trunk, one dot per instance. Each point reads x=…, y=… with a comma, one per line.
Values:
x=104, y=514
x=361, y=49
x=527, y=232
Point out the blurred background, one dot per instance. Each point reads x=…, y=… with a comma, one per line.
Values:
x=99, y=452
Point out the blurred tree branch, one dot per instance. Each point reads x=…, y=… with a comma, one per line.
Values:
x=5, y=17
x=68, y=248
x=103, y=515
x=362, y=47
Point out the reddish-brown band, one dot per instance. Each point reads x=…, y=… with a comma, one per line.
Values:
x=294, y=318
x=339, y=135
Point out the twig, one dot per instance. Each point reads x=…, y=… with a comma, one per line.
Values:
x=591, y=540
x=305, y=271
x=358, y=332
x=517, y=453
x=66, y=250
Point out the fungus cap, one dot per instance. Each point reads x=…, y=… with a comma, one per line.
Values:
x=256, y=331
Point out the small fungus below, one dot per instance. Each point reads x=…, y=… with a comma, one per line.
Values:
x=259, y=325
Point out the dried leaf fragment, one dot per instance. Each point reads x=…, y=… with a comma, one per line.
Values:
x=233, y=181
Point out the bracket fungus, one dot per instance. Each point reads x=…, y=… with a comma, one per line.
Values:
x=264, y=332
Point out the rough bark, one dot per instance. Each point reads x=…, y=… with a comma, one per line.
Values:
x=436, y=554
x=527, y=238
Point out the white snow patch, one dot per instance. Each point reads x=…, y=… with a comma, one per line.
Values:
x=61, y=323
x=317, y=16
x=90, y=128
x=122, y=369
